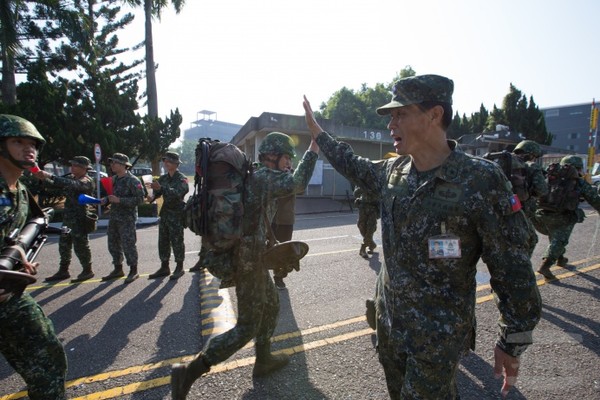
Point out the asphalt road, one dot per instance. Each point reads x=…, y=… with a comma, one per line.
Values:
x=121, y=339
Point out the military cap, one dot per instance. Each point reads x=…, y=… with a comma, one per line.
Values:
x=418, y=89
x=172, y=157
x=82, y=161
x=14, y=126
x=120, y=158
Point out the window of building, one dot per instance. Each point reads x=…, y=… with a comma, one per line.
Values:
x=574, y=135
x=552, y=113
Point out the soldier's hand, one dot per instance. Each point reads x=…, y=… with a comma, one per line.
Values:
x=311, y=122
x=507, y=366
x=155, y=185
x=114, y=199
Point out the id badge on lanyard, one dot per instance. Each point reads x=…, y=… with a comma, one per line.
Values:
x=445, y=245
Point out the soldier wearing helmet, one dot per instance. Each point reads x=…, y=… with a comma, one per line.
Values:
x=75, y=217
x=257, y=297
x=27, y=338
x=276, y=152
x=528, y=152
x=558, y=223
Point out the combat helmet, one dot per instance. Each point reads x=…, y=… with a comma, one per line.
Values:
x=14, y=126
x=277, y=143
x=575, y=161
x=529, y=147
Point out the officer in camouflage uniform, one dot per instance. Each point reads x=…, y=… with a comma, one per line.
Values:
x=128, y=194
x=27, y=338
x=172, y=186
x=257, y=298
x=528, y=152
x=368, y=214
x=434, y=192
x=559, y=225
x=74, y=217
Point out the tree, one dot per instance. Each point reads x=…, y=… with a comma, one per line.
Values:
x=15, y=25
x=153, y=8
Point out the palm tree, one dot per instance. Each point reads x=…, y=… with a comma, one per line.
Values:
x=152, y=8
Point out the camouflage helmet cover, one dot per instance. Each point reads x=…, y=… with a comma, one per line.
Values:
x=575, y=161
x=14, y=126
x=530, y=147
x=277, y=143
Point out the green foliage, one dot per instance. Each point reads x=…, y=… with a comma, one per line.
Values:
x=347, y=107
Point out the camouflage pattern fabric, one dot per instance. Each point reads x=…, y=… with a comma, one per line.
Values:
x=558, y=226
x=538, y=187
x=257, y=297
x=283, y=225
x=27, y=338
x=368, y=214
x=170, y=227
x=121, y=231
x=74, y=217
x=426, y=307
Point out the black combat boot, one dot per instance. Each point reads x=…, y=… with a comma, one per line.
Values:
x=372, y=245
x=183, y=376
x=116, y=273
x=267, y=362
x=199, y=266
x=562, y=261
x=86, y=274
x=164, y=270
x=362, y=252
x=544, y=269
x=63, y=273
x=178, y=273
x=133, y=274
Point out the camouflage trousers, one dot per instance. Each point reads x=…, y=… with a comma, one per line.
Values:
x=367, y=223
x=122, y=239
x=258, y=309
x=558, y=227
x=414, y=376
x=170, y=235
x=29, y=344
x=76, y=240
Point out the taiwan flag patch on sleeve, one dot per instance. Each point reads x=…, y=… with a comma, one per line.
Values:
x=515, y=203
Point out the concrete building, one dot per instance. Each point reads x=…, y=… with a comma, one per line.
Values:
x=570, y=126
x=207, y=125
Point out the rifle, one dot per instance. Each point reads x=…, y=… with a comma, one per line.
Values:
x=20, y=247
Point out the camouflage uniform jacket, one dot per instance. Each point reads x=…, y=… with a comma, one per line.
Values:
x=431, y=302
x=11, y=218
x=264, y=187
x=73, y=188
x=129, y=190
x=589, y=193
x=173, y=189
x=538, y=186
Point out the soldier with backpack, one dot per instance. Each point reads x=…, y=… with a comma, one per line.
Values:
x=559, y=211
x=528, y=151
x=257, y=297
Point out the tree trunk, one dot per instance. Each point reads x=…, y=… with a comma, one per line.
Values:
x=150, y=70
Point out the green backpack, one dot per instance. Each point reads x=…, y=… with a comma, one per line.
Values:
x=215, y=210
x=563, y=190
x=515, y=170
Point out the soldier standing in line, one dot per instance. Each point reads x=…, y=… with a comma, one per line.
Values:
x=74, y=217
x=434, y=192
x=172, y=186
x=368, y=214
x=558, y=224
x=27, y=338
x=529, y=151
x=128, y=194
x=257, y=297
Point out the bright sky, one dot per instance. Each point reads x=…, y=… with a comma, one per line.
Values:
x=241, y=58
